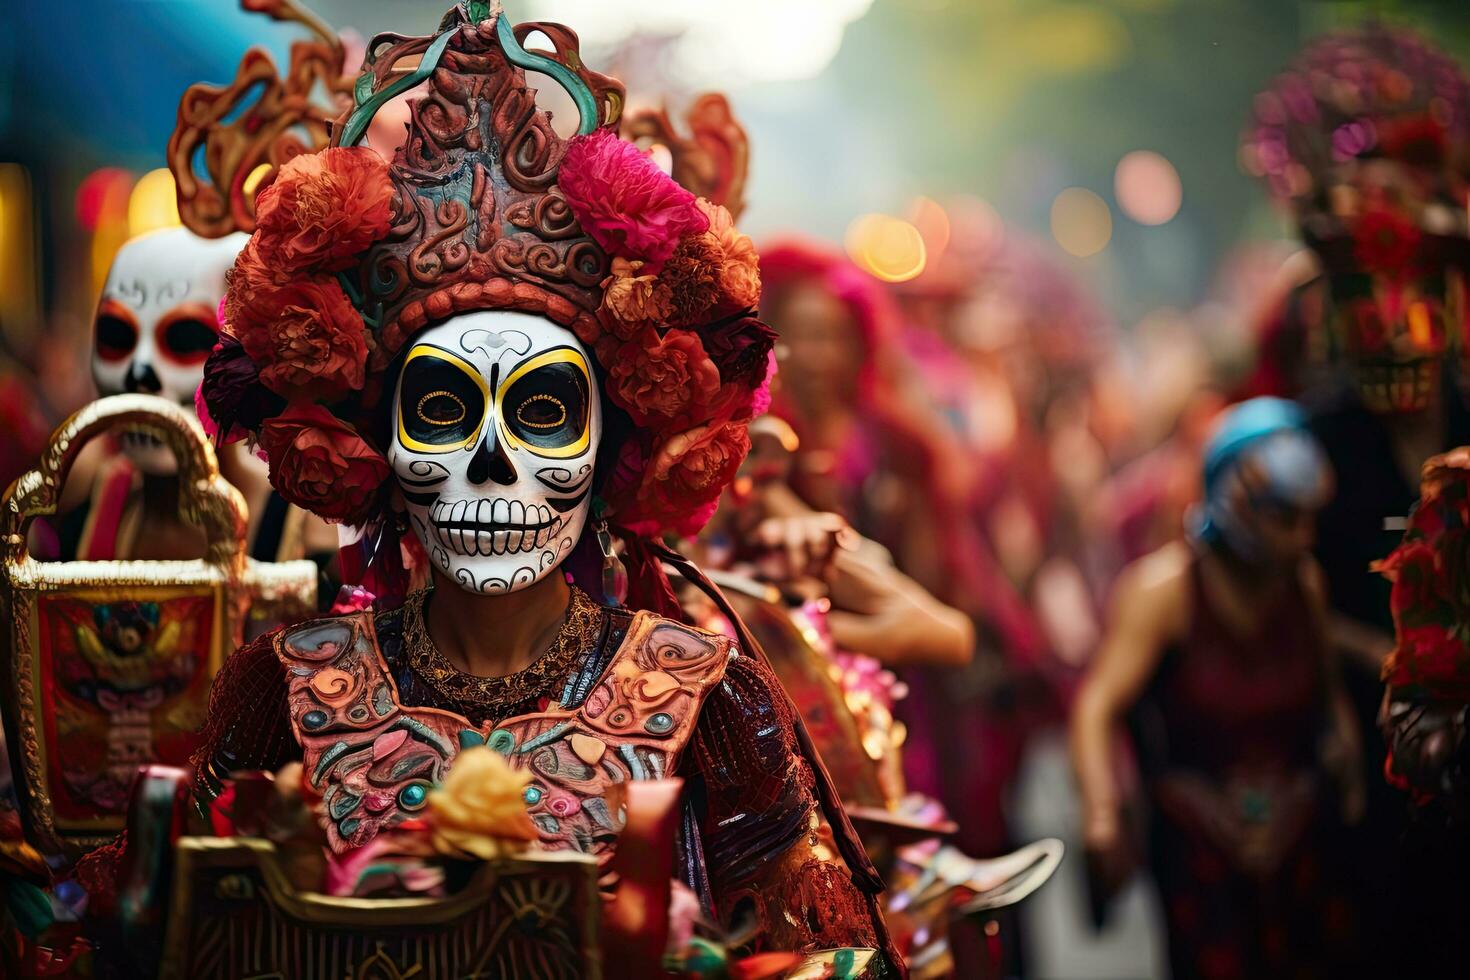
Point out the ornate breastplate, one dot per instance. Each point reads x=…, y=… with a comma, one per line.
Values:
x=374, y=759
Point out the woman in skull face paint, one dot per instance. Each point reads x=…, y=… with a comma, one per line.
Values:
x=516, y=346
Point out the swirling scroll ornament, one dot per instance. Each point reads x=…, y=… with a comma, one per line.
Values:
x=259, y=120
x=713, y=161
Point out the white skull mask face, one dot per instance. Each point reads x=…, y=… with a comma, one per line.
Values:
x=497, y=423
x=155, y=324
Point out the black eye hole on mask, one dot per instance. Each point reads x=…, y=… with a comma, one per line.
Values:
x=440, y=405
x=188, y=340
x=115, y=337
x=547, y=408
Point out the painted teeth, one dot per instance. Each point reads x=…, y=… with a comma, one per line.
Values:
x=493, y=527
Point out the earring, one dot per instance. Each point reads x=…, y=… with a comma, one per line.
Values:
x=614, y=575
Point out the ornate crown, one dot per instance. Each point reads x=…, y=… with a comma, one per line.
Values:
x=485, y=207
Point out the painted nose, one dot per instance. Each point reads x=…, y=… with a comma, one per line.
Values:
x=142, y=379
x=491, y=463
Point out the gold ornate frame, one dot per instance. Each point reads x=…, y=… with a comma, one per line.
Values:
x=206, y=500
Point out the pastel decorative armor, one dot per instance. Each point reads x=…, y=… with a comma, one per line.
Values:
x=374, y=760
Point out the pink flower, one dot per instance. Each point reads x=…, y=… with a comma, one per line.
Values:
x=624, y=201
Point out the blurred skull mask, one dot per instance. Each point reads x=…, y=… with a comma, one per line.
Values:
x=156, y=324
x=496, y=426
x=1394, y=263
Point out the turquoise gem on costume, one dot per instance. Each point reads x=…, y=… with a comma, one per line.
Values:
x=532, y=795
x=413, y=796
x=346, y=827
x=313, y=720
x=660, y=724
x=502, y=741
x=469, y=738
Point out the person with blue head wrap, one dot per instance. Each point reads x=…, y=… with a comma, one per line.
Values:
x=1216, y=650
x=1263, y=472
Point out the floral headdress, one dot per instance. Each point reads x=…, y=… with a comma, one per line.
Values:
x=485, y=207
x=1351, y=98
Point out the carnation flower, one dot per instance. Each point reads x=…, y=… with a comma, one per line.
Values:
x=686, y=494
x=693, y=276
x=307, y=338
x=632, y=301
x=480, y=808
x=740, y=274
x=320, y=463
x=661, y=381
x=624, y=201
x=324, y=209
x=231, y=401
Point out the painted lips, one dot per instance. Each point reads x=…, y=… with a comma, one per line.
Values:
x=474, y=528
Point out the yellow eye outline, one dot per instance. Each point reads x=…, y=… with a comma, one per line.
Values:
x=561, y=355
x=419, y=408
x=468, y=370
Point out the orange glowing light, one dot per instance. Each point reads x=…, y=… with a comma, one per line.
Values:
x=886, y=247
x=1421, y=329
x=1147, y=187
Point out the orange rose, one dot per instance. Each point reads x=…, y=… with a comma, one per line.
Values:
x=307, y=339
x=632, y=301
x=324, y=209
x=661, y=381
x=319, y=462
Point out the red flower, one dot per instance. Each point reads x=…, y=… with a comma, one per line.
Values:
x=320, y=463
x=308, y=340
x=1385, y=242
x=324, y=209
x=685, y=498
x=624, y=201
x=739, y=346
x=1416, y=592
x=661, y=382
x=231, y=400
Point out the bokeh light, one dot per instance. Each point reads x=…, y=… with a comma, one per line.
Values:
x=1147, y=187
x=1081, y=222
x=101, y=195
x=154, y=203
x=889, y=248
x=927, y=215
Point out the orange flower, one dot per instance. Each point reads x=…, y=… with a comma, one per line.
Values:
x=740, y=276
x=324, y=209
x=320, y=463
x=633, y=301
x=661, y=381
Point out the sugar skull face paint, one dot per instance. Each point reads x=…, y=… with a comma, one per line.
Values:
x=496, y=426
x=155, y=325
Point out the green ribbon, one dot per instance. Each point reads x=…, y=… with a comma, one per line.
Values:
x=564, y=76
x=362, y=116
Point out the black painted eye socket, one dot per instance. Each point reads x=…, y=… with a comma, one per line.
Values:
x=439, y=404
x=115, y=337
x=547, y=408
x=188, y=340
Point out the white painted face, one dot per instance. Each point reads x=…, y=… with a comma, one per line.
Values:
x=155, y=324
x=497, y=423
